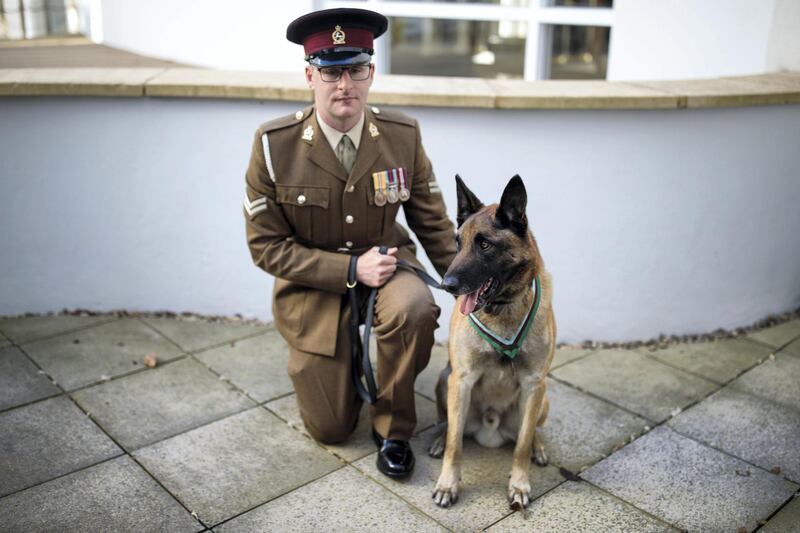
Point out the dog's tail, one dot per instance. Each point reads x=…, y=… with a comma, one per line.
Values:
x=488, y=435
x=491, y=419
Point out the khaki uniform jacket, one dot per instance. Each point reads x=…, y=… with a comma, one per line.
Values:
x=305, y=216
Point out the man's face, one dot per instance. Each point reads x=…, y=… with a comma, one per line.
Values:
x=339, y=103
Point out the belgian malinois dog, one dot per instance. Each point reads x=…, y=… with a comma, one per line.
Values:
x=502, y=340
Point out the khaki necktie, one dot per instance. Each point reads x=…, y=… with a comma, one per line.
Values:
x=346, y=153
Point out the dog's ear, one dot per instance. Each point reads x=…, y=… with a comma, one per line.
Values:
x=511, y=211
x=468, y=203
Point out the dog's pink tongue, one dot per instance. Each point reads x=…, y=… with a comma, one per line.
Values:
x=468, y=302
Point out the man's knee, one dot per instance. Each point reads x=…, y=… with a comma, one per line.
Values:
x=415, y=309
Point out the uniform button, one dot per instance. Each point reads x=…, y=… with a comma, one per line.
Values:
x=349, y=219
x=376, y=110
x=298, y=115
x=349, y=244
x=301, y=199
x=351, y=188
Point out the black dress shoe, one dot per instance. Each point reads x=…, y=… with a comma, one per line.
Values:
x=395, y=458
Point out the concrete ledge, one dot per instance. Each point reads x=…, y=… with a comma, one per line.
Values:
x=767, y=89
x=75, y=81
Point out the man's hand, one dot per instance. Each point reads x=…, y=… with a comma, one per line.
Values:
x=373, y=269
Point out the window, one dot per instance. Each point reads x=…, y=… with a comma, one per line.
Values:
x=530, y=39
x=449, y=47
x=28, y=19
x=577, y=52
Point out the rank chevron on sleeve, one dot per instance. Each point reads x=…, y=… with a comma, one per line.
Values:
x=256, y=206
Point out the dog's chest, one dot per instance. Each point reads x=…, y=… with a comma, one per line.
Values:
x=497, y=388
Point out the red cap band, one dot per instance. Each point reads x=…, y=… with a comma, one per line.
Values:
x=338, y=37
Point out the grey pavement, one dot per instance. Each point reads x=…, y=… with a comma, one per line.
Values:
x=691, y=437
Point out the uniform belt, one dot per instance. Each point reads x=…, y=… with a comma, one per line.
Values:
x=359, y=347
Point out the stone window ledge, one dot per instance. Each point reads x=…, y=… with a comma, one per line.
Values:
x=766, y=89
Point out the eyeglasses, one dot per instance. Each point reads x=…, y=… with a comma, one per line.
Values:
x=357, y=72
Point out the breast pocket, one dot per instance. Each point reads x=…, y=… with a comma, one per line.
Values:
x=380, y=219
x=306, y=209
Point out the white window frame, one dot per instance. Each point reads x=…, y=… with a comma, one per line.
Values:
x=539, y=16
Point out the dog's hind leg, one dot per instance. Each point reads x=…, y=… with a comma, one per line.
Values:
x=436, y=448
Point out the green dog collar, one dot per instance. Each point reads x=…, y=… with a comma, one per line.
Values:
x=509, y=347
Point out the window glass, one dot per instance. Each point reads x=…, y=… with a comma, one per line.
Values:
x=583, y=3
x=517, y=3
x=446, y=47
x=578, y=52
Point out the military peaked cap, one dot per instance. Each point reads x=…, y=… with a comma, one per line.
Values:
x=337, y=37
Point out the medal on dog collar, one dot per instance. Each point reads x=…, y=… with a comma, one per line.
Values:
x=377, y=185
x=509, y=347
x=392, y=195
x=405, y=194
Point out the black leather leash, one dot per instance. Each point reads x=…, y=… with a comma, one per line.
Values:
x=360, y=350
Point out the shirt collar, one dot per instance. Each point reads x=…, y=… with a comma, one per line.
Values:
x=334, y=135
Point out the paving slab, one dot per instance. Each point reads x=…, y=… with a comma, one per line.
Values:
x=779, y=335
x=787, y=520
x=759, y=431
x=116, y=495
x=26, y=329
x=47, y=439
x=360, y=442
x=98, y=353
x=776, y=379
x=719, y=361
x=256, y=365
x=344, y=500
x=484, y=474
x=690, y=485
x=196, y=334
x=793, y=348
x=567, y=354
x=235, y=464
x=155, y=404
x=427, y=379
x=574, y=507
x=20, y=380
x=580, y=429
x=635, y=382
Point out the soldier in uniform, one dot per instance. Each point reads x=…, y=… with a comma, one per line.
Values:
x=325, y=184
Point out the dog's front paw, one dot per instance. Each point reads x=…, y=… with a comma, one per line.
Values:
x=519, y=494
x=436, y=448
x=446, y=492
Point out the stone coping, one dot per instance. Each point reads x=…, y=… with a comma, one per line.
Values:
x=428, y=91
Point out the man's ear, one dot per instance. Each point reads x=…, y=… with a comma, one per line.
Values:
x=310, y=77
x=511, y=211
x=468, y=203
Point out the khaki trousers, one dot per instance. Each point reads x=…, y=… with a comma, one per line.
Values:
x=405, y=319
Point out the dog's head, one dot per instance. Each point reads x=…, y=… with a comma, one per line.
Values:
x=497, y=254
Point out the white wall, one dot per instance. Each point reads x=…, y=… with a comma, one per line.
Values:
x=650, y=39
x=236, y=34
x=681, y=39
x=650, y=221
x=784, y=42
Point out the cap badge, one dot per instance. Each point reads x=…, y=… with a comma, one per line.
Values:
x=308, y=133
x=338, y=35
x=373, y=130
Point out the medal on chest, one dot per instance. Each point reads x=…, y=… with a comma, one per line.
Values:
x=390, y=186
x=378, y=182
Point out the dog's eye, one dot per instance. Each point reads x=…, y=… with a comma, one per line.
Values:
x=485, y=245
